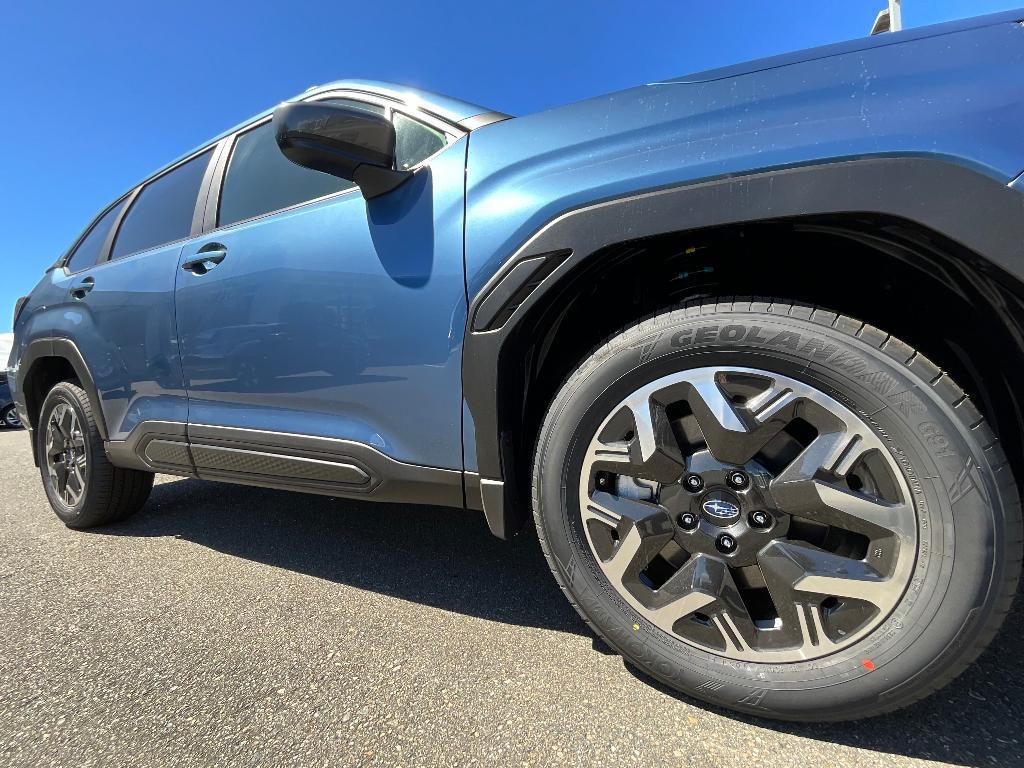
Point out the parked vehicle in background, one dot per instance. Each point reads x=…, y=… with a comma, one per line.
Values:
x=8, y=413
x=750, y=344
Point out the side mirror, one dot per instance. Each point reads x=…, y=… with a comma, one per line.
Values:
x=350, y=143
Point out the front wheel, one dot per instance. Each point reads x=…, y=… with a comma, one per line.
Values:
x=779, y=510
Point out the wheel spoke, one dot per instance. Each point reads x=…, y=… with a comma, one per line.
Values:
x=791, y=568
x=802, y=490
x=693, y=587
x=814, y=640
x=653, y=452
x=733, y=436
x=705, y=584
x=60, y=476
x=76, y=481
x=642, y=529
x=66, y=423
x=51, y=447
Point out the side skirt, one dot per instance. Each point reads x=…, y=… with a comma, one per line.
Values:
x=283, y=460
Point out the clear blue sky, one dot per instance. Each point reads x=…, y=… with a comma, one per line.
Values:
x=98, y=95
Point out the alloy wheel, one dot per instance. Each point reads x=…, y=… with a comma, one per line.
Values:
x=66, y=457
x=11, y=419
x=748, y=514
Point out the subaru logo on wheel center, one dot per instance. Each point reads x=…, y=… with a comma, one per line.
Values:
x=717, y=506
x=723, y=509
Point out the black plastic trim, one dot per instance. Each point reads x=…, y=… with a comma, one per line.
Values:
x=197, y=209
x=503, y=295
x=286, y=461
x=115, y=227
x=134, y=451
x=66, y=349
x=211, y=181
x=975, y=210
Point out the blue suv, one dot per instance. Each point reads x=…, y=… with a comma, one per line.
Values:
x=749, y=345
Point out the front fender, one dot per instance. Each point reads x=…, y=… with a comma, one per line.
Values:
x=981, y=213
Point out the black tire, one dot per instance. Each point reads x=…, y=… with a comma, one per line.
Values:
x=110, y=493
x=5, y=418
x=968, y=511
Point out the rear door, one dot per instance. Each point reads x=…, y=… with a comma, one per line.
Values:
x=322, y=314
x=117, y=290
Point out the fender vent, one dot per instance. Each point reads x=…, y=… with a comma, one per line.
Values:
x=513, y=288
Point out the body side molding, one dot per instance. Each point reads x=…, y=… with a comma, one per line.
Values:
x=965, y=205
x=284, y=460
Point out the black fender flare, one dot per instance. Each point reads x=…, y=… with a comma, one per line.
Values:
x=39, y=349
x=981, y=213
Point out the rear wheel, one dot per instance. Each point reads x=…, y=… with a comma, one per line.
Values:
x=778, y=509
x=83, y=487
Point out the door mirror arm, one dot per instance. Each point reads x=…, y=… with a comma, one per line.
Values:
x=375, y=181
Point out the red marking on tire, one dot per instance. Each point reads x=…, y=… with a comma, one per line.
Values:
x=868, y=664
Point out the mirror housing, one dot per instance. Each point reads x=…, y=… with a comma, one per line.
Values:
x=345, y=142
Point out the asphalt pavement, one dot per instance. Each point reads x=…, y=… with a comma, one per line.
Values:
x=235, y=626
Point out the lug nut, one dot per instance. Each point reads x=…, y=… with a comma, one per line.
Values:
x=693, y=483
x=760, y=519
x=726, y=544
x=688, y=521
x=737, y=480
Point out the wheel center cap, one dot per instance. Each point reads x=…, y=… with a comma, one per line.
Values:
x=720, y=507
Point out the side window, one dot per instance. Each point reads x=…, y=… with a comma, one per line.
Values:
x=162, y=212
x=260, y=179
x=414, y=141
x=88, y=250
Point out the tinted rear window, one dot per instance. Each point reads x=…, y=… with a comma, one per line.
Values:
x=162, y=213
x=89, y=247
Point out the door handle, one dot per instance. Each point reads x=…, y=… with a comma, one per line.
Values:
x=79, y=291
x=206, y=259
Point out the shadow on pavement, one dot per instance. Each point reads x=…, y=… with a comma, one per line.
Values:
x=436, y=556
x=447, y=559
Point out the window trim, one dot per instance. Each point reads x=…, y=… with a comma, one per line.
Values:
x=69, y=254
x=204, y=218
x=107, y=254
x=213, y=209
x=210, y=223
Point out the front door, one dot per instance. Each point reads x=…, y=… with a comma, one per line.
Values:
x=311, y=312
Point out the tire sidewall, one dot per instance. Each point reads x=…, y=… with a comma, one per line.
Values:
x=947, y=597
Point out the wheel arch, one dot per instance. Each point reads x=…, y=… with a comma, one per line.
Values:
x=46, y=362
x=950, y=230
